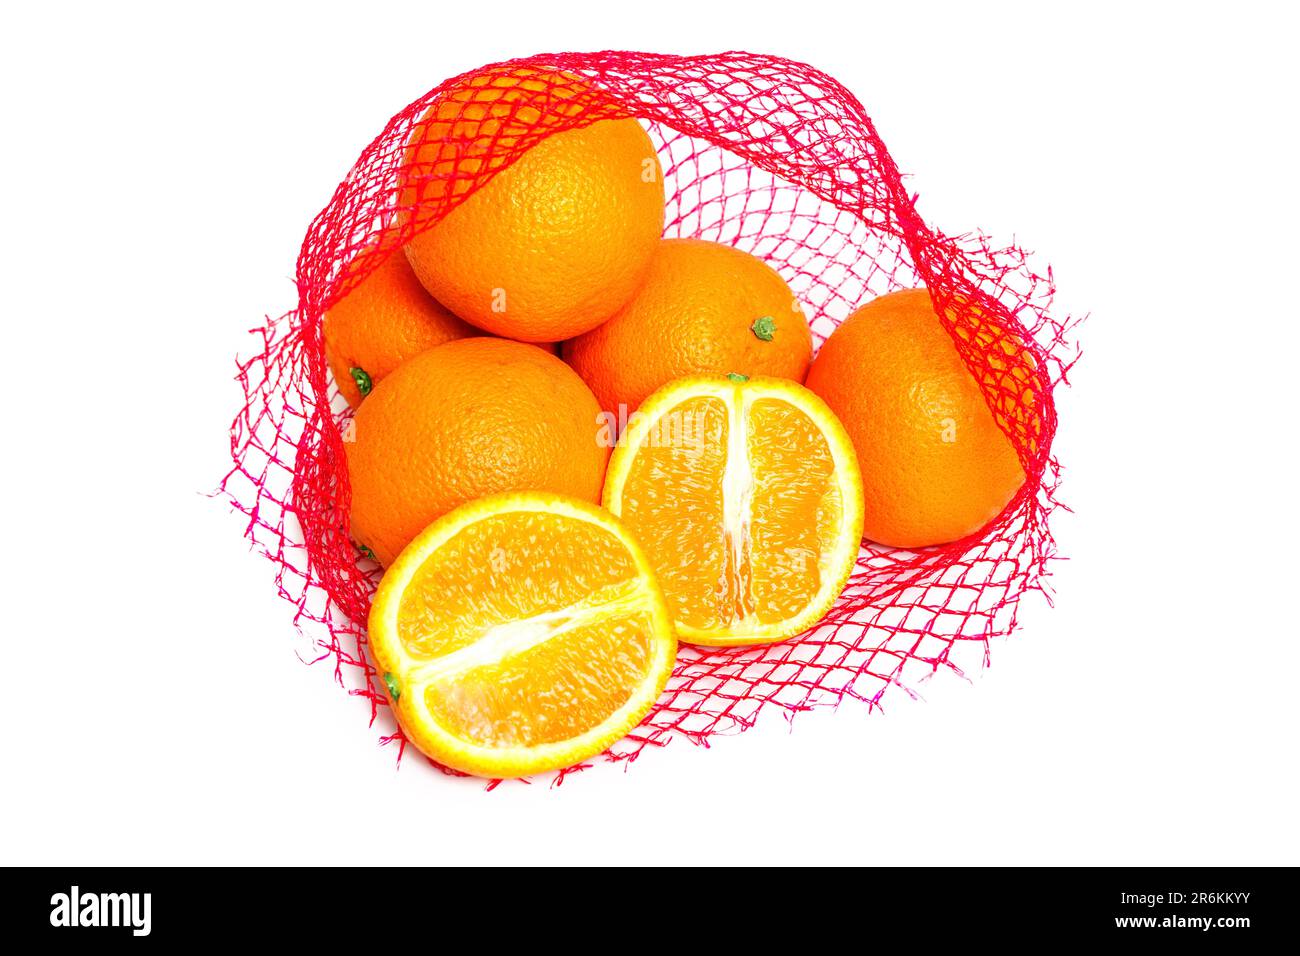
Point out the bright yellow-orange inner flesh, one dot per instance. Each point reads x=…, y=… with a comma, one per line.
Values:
x=735, y=505
x=526, y=628
x=553, y=691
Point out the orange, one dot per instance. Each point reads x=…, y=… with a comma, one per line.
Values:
x=467, y=419
x=521, y=633
x=387, y=318
x=935, y=465
x=704, y=308
x=746, y=496
x=553, y=243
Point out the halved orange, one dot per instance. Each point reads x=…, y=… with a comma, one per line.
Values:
x=746, y=495
x=520, y=633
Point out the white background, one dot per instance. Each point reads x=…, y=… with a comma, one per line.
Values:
x=159, y=169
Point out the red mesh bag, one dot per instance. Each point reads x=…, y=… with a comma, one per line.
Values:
x=780, y=160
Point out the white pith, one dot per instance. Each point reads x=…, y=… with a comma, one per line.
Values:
x=738, y=496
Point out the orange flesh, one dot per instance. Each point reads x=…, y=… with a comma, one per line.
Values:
x=674, y=495
x=552, y=692
x=526, y=628
x=796, y=508
x=736, y=512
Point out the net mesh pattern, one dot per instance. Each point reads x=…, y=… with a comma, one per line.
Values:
x=773, y=157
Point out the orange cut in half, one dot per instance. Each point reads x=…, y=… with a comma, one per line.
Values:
x=520, y=633
x=747, y=497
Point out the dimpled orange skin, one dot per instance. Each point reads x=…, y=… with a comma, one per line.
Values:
x=386, y=319
x=935, y=466
x=554, y=243
x=694, y=315
x=469, y=418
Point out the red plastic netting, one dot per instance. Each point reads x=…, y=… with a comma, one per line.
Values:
x=780, y=160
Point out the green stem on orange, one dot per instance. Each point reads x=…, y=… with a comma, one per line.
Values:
x=362, y=379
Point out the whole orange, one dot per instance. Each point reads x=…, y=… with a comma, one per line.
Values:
x=704, y=308
x=553, y=243
x=466, y=419
x=935, y=465
x=386, y=319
